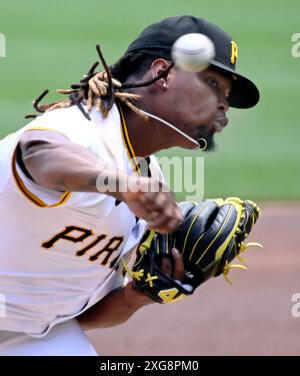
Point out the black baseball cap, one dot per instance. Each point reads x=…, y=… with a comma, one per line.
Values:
x=157, y=40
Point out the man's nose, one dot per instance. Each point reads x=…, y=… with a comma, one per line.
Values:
x=223, y=105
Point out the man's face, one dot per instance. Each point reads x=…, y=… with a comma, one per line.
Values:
x=198, y=104
x=221, y=85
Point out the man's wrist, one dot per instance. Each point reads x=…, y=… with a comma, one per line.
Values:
x=135, y=298
x=125, y=183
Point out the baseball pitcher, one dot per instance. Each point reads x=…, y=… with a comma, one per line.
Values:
x=82, y=195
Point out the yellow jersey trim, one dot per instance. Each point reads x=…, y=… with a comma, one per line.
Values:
x=128, y=145
x=45, y=129
x=25, y=191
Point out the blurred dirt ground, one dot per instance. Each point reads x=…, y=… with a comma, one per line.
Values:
x=252, y=317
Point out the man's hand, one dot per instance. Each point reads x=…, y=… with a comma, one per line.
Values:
x=158, y=208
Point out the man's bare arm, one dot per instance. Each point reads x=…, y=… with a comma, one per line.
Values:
x=58, y=164
x=115, y=309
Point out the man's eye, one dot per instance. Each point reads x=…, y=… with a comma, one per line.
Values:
x=213, y=83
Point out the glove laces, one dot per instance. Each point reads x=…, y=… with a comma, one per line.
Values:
x=139, y=274
x=227, y=267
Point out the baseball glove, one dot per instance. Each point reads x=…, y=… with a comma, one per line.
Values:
x=211, y=236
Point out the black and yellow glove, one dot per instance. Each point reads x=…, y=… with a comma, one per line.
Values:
x=211, y=236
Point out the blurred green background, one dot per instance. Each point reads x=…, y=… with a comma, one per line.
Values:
x=51, y=43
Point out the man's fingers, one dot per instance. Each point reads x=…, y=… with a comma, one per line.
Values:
x=166, y=266
x=164, y=214
x=175, y=270
x=159, y=209
x=154, y=201
x=178, y=265
x=164, y=224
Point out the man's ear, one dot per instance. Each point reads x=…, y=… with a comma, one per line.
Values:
x=157, y=67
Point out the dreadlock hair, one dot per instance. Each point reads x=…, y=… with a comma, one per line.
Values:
x=102, y=89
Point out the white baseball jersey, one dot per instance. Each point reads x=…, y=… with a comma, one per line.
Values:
x=60, y=252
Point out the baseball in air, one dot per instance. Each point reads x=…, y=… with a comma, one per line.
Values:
x=193, y=52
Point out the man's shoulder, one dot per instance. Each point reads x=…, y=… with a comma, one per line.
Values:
x=75, y=126
x=70, y=116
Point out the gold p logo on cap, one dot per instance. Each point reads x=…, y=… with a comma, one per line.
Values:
x=234, y=52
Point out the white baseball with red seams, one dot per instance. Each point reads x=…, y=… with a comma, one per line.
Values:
x=193, y=52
